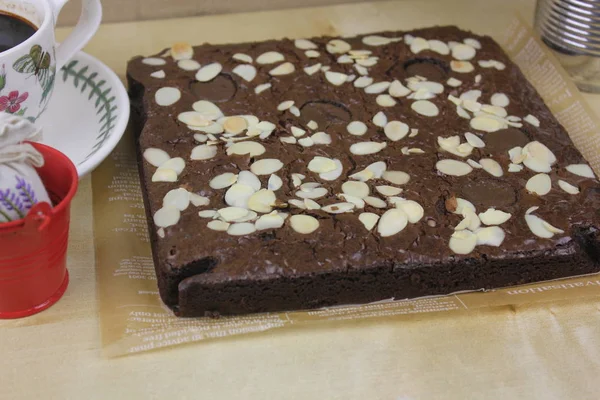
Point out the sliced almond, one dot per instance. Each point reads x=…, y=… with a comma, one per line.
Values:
x=336, y=78
x=356, y=188
x=377, y=88
x=514, y=167
x=500, y=100
x=269, y=221
x=471, y=105
x=539, y=184
x=431, y=87
x=304, y=44
x=356, y=128
x=297, y=132
x=312, y=53
x=494, y=217
x=392, y=222
x=462, y=67
x=474, y=164
x=462, y=112
x=474, y=140
x=312, y=125
x=567, y=187
x=208, y=213
x=288, y=139
x=396, y=130
x=223, y=181
x=463, y=242
x=338, y=46
x=361, y=70
x=313, y=194
x=283, y=69
x=369, y=220
x=388, y=190
x=242, y=57
x=537, y=157
x=439, y=47
x=375, y=202
x=397, y=89
x=486, y=124
x=167, y=96
x=306, y=142
x=261, y=88
x=209, y=72
x=189, y=65
x=266, y=166
x=453, y=82
x=156, y=157
x=158, y=74
x=376, y=40
x=418, y=45
x=262, y=201
x=270, y=57
x=470, y=220
x=217, y=225
x=380, y=119
x=385, y=100
x=363, y=148
x=241, y=229
x=396, y=177
x=231, y=214
x=284, y=105
x=237, y=195
x=166, y=216
x=490, y=236
x=492, y=167
x=304, y=224
x=177, y=164
x=199, y=201
x=203, y=152
x=541, y=228
x=363, y=82
x=463, y=52
x=425, y=107
x=532, y=120
x=334, y=174
x=367, y=62
x=235, y=125
x=207, y=109
x=377, y=169
x=274, y=182
x=164, y=175
x=313, y=69
x=249, y=179
x=154, y=61
x=413, y=210
x=245, y=71
x=253, y=149
x=453, y=167
x=321, y=138
x=344, y=59
x=583, y=170
x=321, y=164
x=338, y=208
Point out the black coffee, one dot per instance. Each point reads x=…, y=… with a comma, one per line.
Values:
x=14, y=30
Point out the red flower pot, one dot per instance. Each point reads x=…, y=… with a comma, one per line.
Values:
x=33, y=250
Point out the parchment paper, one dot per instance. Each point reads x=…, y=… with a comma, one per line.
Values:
x=133, y=318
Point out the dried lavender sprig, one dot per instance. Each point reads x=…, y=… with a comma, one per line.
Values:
x=26, y=192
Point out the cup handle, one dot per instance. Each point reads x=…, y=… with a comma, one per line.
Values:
x=89, y=21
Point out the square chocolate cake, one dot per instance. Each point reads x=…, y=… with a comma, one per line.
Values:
x=296, y=174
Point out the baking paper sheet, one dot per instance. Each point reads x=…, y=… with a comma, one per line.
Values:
x=133, y=318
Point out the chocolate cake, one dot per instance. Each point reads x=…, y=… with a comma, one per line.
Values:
x=296, y=174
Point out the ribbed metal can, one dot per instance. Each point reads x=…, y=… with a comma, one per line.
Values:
x=571, y=28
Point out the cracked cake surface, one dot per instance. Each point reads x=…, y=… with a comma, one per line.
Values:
x=294, y=174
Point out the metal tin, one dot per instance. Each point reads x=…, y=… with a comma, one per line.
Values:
x=571, y=28
x=33, y=250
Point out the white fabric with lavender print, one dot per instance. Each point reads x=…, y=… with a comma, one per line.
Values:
x=20, y=185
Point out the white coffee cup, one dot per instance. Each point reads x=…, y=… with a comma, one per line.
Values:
x=28, y=70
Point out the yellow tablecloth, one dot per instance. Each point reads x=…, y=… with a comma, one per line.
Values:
x=547, y=351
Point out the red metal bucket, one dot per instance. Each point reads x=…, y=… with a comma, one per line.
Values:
x=33, y=250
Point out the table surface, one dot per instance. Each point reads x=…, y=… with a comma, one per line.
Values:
x=536, y=351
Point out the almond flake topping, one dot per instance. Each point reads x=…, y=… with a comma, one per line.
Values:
x=242, y=57
x=304, y=44
x=283, y=69
x=357, y=128
x=304, y=224
x=539, y=184
x=583, y=170
x=209, y=72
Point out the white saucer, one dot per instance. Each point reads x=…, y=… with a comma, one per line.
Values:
x=87, y=114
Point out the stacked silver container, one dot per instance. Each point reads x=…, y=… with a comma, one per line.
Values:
x=571, y=28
